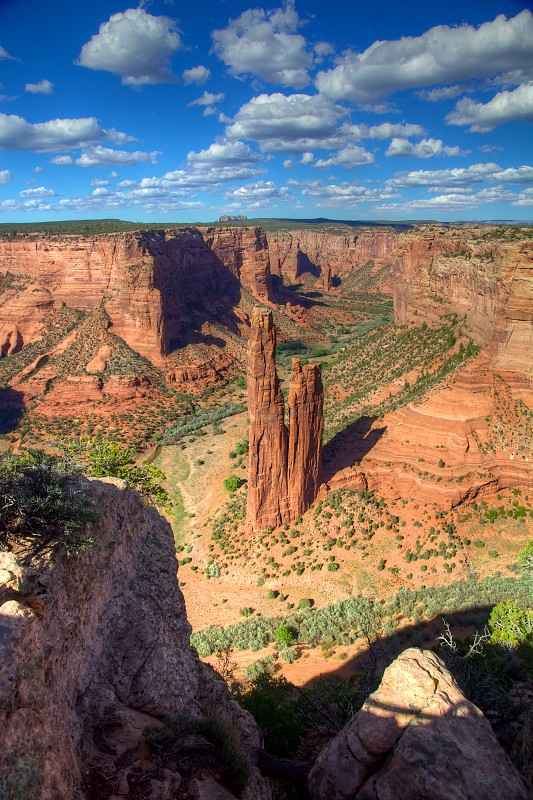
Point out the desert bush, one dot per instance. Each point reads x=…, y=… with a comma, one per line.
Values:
x=232, y=482
x=101, y=458
x=43, y=505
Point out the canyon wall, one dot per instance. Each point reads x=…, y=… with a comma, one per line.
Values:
x=488, y=280
x=284, y=468
x=107, y=656
x=292, y=253
x=154, y=286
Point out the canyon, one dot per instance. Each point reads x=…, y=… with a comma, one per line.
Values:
x=385, y=453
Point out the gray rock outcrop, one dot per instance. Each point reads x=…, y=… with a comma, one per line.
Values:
x=415, y=738
x=109, y=655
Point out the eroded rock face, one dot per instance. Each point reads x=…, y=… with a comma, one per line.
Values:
x=285, y=465
x=268, y=502
x=416, y=737
x=306, y=427
x=244, y=251
x=109, y=656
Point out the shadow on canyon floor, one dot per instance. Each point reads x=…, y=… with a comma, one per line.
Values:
x=330, y=699
x=350, y=445
x=291, y=293
x=11, y=409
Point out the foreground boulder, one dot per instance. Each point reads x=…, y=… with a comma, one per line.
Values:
x=107, y=657
x=416, y=737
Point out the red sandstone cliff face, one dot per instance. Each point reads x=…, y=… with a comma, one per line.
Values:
x=245, y=253
x=284, y=469
x=489, y=281
x=306, y=427
x=149, y=284
x=294, y=252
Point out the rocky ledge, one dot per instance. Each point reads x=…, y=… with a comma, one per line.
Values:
x=105, y=657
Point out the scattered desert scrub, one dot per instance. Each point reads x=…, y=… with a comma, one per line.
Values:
x=345, y=621
x=198, y=419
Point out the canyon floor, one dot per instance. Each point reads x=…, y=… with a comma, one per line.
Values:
x=428, y=428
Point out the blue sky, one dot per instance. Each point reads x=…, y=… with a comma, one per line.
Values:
x=186, y=111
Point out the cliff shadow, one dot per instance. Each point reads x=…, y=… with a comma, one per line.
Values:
x=304, y=264
x=196, y=287
x=329, y=700
x=350, y=445
x=11, y=409
x=294, y=294
x=484, y=677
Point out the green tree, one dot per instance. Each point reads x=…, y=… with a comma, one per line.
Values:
x=283, y=635
x=525, y=558
x=232, y=483
x=43, y=505
x=511, y=625
x=101, y=458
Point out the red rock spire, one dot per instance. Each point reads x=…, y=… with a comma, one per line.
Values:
x=306, y=427
x=267, y=483
x=284, y=466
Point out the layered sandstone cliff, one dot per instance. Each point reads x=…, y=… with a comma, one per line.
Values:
x=107, y=656
x=292, y=253
x=284, y=468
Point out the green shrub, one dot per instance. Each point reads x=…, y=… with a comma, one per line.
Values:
x=525, y=558
x=232, y=483
x=283, y=635
x=43, y=506
x=102, y=459
x=511, y=625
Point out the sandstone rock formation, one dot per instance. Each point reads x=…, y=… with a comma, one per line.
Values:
x=306, y=427
x=284, y=469
x=109, y=655
x=244, y=251
x=416, y=738
x=268, y=503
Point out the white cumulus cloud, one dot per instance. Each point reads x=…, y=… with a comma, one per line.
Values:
x=208, y=99
x=40, y=191
x=525, y=198
x=342, y=195
x=265, y=44
x=99, y=156
x=504, y=107
x=348, y=157
x=135, y=45
x=258, y=195
x=5, y=176
x=425, y=148
x=444, y=92
x=297, y=122
x=56, y=134
x=223, y=154
x=456, y=177
x=43, y=87
x=442, y=54
x=198, y=75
